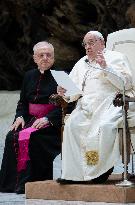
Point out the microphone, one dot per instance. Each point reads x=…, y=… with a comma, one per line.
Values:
x=107, y=71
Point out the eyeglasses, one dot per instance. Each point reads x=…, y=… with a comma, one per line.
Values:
x=89, y=43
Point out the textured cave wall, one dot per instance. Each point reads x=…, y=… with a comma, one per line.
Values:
x=61, y=22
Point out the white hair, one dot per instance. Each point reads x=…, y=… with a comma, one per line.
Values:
x=42, y=44
x=97, y=34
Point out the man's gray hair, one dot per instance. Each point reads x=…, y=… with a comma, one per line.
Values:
x=97, y=34
x=42, y=44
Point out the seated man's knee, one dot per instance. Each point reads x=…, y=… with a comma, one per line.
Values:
x=9, y=137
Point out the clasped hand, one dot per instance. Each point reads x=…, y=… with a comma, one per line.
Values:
x=39, y=123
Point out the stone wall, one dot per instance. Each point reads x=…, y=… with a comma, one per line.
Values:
x=63, y=23
x=8, y=102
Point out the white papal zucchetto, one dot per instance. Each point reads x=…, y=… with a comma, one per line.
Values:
x=97, y=33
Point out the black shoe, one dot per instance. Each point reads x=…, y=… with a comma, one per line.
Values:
x=65, y=181
x=103, y=178
x=20, y=190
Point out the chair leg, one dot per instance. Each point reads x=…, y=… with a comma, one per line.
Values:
x=132, y=161
x=122, y=146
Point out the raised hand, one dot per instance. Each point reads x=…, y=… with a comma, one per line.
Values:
x=101, y=60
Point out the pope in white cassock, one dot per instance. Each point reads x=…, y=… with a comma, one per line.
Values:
x=90, y=146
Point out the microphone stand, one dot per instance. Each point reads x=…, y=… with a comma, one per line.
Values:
x=125, y=182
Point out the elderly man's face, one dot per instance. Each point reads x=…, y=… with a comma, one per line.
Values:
x=44, y=58
x=93, y=45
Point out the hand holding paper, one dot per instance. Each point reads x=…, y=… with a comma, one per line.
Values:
x=61, y=91
x=65, y=82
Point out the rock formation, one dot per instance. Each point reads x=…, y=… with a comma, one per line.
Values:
x=61, y=22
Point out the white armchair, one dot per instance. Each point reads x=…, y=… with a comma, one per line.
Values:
x=124, y=42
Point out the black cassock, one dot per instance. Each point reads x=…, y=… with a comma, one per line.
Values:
x=44, y=144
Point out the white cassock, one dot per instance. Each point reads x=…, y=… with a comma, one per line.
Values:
x=90, y=139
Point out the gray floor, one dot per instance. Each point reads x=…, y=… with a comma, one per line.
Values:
x=13, y=199
x=8, y=102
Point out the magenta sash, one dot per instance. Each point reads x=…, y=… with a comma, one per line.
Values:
x=38, y=111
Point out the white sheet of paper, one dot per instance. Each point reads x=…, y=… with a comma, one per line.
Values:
x=65, y=81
